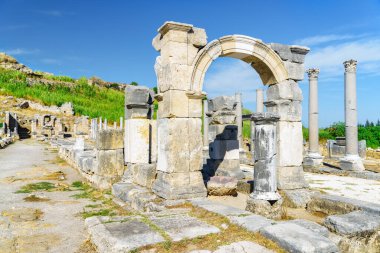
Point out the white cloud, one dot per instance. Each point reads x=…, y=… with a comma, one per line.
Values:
x=329, y=59
x=228, y=77
x=51, y=61
x=20, y=51
x=319, y=39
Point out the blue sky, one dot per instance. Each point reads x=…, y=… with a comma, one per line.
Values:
x=112, y=40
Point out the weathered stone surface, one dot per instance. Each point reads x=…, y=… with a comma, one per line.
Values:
x=138, y=95
x=333, y=204
x=127, y=191
x=252, y=222
x=353, y=223
x=282, y=50
x=283, y=90
x=219, y=208
x=140, y=141
x=292, y=137
x=198, y=37
x=221, y=186
x=295, y=70
x=79, y=144
x=290, y=178
x=110, y=139
x=226, y=167
x=243, y=247
x=223, y=132
x=120, y=234
x=356, y=244
x=223, y=118
x=315, y=227
x=245, y=186
x=141, y=173
x=265, y=208
x=110, y=162
x=180, y=227
x=297, y=198
x=297, y=239
x=224, y=149
x=179, y=185
x=222, y=103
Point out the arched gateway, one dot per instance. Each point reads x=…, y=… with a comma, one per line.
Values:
x=184, y=59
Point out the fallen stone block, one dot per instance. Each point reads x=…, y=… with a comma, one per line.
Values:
x=120, y=234
x=251, y=222
x=297, y=239
x=353, y=223
x=297, y=198
x=219, y=208
x=315, y=227
x=222, y=186
x=265, y=208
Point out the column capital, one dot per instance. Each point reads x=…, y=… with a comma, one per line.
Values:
x=312, y=73
x=171, y=25
x=350, y=66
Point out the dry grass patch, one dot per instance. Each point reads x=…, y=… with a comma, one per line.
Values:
x=229, y=233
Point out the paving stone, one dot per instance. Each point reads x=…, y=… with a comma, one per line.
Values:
x=315, y=227
x=353, y=223
x=243, y=247
x=297, y=239
x=180, y=227
x=120, y=234
x=219, y=208
x=251, y=222
x=297, y=198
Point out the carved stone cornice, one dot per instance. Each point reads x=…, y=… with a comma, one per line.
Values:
x=312, y=73
x=350, y=66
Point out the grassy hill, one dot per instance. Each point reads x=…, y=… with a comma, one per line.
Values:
x=87, y=99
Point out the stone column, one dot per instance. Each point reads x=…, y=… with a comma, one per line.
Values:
x=259, y=100
x=351, y=161
x=114, y=125
x=105, y=124
x=179, y=121
x=313, y=157
x=265, y=195
x=205, y=125
x=239, y=119
x=121, y=122
x=100, y=124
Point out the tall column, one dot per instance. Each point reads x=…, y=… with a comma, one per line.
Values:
x=205, y=125
x=121, y=122
x=239, y=119
x=351, y=161
x=105, y=124
x=265, y=200
x=259, y=100
x=313, y=158
x=100, y=123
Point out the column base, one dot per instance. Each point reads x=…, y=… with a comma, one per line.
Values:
x=352, y=162
x=312, y=160
x=269, y=196
x=265, y=208
x=184, y=185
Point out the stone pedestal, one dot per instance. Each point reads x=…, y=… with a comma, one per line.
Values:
x=313, y=157
x=351, y=161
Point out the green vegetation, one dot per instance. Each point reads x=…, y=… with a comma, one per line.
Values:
x=40, y=186
x=88, y=100
x=369, y=132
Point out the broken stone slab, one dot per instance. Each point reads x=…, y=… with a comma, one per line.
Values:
x=243, y=247
x=353, y=223
x=219, y=208
x=120, y=234
x=315, y=227
x=333, y=204
x=297, y=239
x=180, y=227
x=222, y=103
x=222, y=186
x=297, y=198
x=126, y=191
x=252, y=222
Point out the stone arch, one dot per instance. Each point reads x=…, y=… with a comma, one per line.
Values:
x=253, y=51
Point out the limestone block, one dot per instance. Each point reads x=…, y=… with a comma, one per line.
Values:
x=290, y=178
x=198, y=37
x=223, y=117
x=195, y=108
x=281, y=90
x=140, y=112
x=172, y=76
x=179, y=145
x=222, y=103
x=142, y=174
x=138, y=95
x=224, y=149
x=295, y=70
x=140, y=141
x=156, y=42
x=299, y=53
x=287, y=109
x=110, y=162
x=110, y=139
x=79, y=144
x=223, y=163
x=175, y=52
x=265, y=208
x=179, y=104
x=179, y=185
x=282, y=50
x=222, y=186
x=296, y=91
x=226, y=167
x=223, y=132
x=289, y=143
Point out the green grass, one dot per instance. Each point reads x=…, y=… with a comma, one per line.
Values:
x=101, y=212
x=87, y=100
x=40, y=186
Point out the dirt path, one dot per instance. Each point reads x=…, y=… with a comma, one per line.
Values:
x=48, y=221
